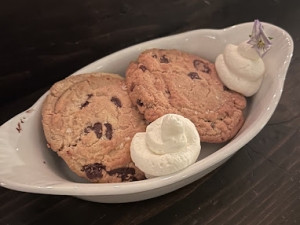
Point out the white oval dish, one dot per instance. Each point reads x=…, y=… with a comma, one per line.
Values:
x=26, y=164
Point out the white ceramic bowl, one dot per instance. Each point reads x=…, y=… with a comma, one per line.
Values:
x=27, y=165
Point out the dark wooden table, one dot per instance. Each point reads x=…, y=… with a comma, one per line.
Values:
x=42, y=42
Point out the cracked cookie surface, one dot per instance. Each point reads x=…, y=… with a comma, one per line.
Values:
x=89, y=121
x=171, y=81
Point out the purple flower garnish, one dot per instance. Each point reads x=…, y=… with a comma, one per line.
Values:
x=259, y=40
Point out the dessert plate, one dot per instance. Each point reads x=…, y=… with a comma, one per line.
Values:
x=26, y=164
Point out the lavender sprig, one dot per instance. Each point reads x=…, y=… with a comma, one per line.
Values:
x=259, y=40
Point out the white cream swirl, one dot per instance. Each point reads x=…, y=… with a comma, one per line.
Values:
x=170, y=143
x=240, y=68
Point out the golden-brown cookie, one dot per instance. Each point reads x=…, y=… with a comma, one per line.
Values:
x=171, y=81
x=89, y=121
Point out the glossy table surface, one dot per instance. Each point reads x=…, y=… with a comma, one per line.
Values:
x=42, y=42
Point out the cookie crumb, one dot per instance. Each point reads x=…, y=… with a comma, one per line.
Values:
x=19, y=128
x=69, y=130
x=29, y=110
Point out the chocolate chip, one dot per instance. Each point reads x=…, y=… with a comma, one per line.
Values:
x=116, y=101
x=97, y=128
x=109, y=132
x=154, y=56
x=163, y=59
x=202, y=66
x=87, y=129
x=139, y=102
x=124, y=173
x=93, y=171
x=142, y=67
x=225, y=88
x=194, y=75
x=86, y=102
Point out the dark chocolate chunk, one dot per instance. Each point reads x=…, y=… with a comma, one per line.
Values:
x=97, y=128
x=202, y=66
x=194, y=75
x=93, y=171
x=154, y=56
x=225, y=88
x=163, y=59
x=86, y=102
x=142, y=67
x=139, y=102
x=109, y=131
x=116, y=101
x=87, y=129
x=124, y=173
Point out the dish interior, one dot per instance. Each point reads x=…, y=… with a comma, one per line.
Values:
x=27, y=164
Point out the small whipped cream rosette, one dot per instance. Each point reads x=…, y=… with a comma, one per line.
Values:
x=170, y=144
x=241, y=67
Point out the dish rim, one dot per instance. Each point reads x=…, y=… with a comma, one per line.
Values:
x=89, y=189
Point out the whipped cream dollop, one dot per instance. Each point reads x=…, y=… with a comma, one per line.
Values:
x=170, y=143
x=240, y=68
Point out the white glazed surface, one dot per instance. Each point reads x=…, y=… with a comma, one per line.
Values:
x=27, y=165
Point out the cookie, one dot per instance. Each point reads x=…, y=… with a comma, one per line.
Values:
x=89, y=121
x=171, y=81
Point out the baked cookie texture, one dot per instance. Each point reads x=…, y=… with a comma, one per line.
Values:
x=171, y=81
x=89, y=121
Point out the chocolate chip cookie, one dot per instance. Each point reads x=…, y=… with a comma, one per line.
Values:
x=171, y=81
x=89, y=121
